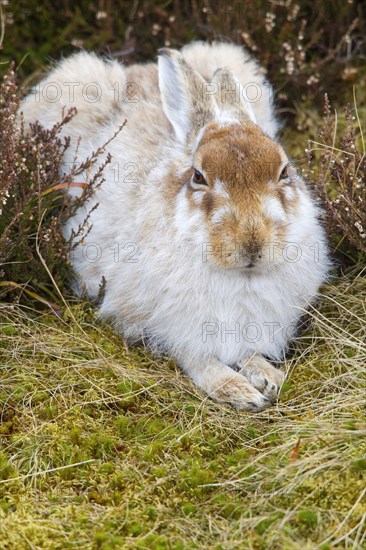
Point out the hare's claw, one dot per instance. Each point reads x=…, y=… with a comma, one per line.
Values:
x=266, y=378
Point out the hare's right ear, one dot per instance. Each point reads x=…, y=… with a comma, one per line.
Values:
x=231, y=96
x=186, y=103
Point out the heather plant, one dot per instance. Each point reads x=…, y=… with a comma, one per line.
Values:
x=29, y=167
x=33, y=202
x=340, y=160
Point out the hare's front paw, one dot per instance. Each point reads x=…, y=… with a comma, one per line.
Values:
x=238, y=392
x=262, y=375
x=222, y=384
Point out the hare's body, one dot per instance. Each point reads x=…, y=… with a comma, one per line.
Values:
x=155, y=241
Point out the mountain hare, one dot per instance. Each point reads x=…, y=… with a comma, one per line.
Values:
x=208, y=239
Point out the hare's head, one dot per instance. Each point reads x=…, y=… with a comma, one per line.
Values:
x=237, y=177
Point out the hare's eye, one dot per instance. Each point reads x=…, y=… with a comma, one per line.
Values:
x=284, y=173
x=198, y=178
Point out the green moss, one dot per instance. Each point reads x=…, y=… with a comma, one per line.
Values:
x=265, y=524
x=308, y=517
x=196, y=475
x=238, y=457
x=6, y=469
x=359, y=465
x=124, y=426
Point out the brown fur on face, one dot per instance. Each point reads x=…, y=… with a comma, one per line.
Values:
x=241, y=166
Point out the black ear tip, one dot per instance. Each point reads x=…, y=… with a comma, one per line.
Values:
x=165, y=51
x=171, y=54
x=223, y=73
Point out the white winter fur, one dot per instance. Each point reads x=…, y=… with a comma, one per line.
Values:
x=163, y=287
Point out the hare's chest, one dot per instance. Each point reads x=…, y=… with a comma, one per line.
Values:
x=246, y=319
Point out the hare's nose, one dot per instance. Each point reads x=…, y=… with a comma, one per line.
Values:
x=254, y=251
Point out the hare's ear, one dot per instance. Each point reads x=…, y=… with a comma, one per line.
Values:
x=186, y=103
x=231, y=96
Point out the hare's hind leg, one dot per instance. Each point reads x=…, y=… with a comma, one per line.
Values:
x=262, y=375
x=224, y=385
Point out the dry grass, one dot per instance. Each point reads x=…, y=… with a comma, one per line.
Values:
x=104, y=447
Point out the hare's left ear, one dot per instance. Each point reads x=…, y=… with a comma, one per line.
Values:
x=186, y=102
x=231, y=96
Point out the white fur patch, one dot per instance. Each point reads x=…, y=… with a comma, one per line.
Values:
x=289, y=193
x=198, y=138
x=220, y=190
x=198, y=197
x=273, y=209
x=181, y=213
x=220, y=214
x=223, y=120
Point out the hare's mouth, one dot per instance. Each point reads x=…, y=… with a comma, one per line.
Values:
x=250, y=268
